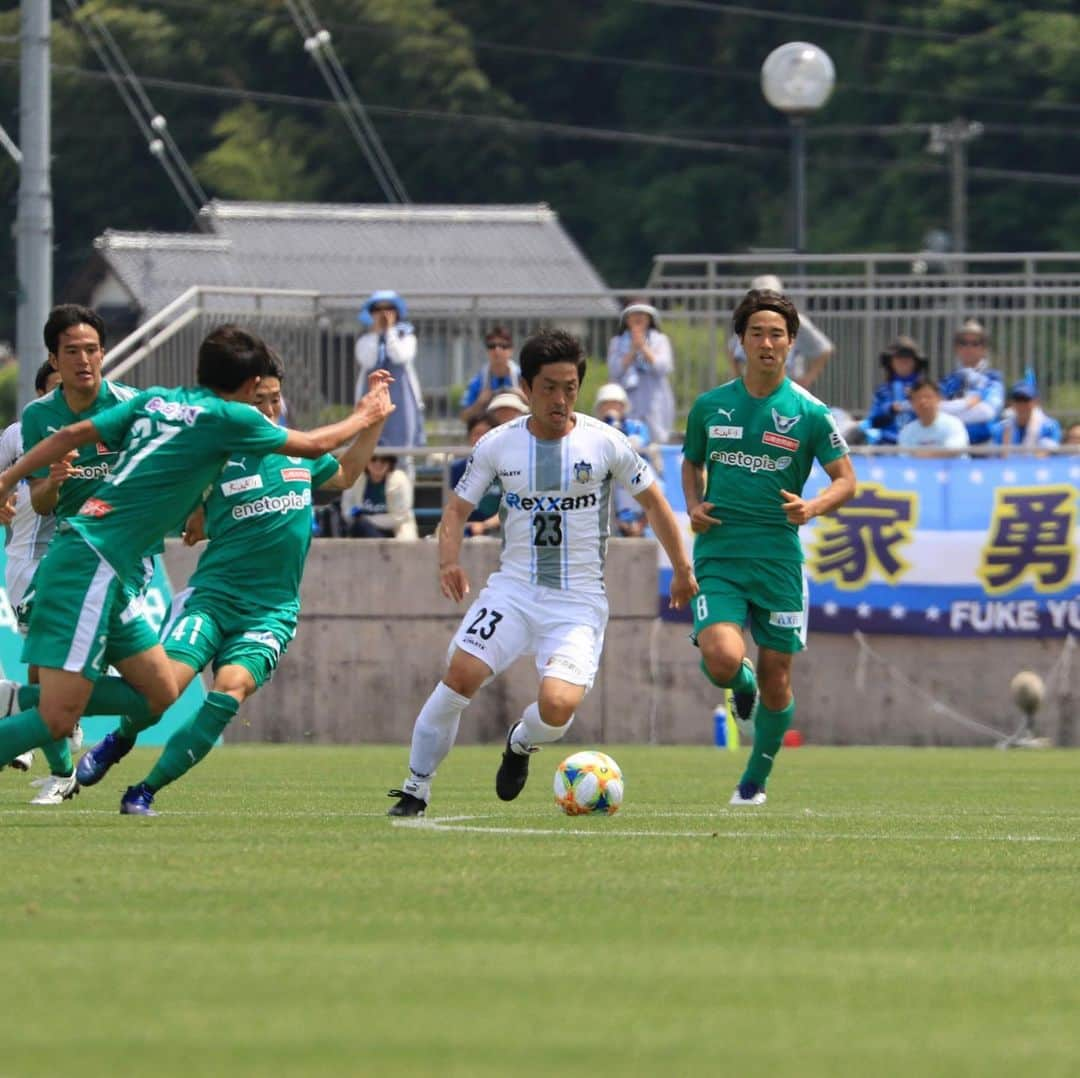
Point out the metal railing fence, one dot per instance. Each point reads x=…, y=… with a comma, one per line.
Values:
x=1032, y=315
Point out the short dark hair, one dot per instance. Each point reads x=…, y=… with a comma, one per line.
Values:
x=764, y=299
x=476, y=420
x=41, y=378
x=229, y=356
x=550, y=346
x=277, y=365
x=64, y=317
x=922, y=382
x=498, y=333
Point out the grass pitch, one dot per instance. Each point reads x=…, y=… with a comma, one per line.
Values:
x=888, y=912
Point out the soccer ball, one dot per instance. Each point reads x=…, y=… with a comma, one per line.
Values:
x=588, y=782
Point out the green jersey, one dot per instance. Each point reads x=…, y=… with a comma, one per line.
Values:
x=752, y=449
x=258, y=518
x=173, y=443
x=47, y=415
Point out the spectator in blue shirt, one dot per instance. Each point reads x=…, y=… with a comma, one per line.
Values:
x=612, y=405
x=891, y=410
x=1025, y=423
x=974, y=392
x=501, y=372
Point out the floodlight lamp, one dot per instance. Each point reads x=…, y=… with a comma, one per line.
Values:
x=797, y=78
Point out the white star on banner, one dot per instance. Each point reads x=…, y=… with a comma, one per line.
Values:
x=975, y=476
x=863, y=610
x=910, y=475
x=1008, y=476
x=1043, y=475
x=896, y=611
x=942, y=475
x=877, y=474
x=932, y=613
x=830, y=609
x=1074, y=473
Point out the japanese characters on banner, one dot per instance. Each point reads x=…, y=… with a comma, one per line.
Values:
x=956, y=547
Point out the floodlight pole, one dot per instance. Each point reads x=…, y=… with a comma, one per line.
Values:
x=34, y=218
x=798, y=183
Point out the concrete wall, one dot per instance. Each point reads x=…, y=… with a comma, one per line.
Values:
x=374, y=632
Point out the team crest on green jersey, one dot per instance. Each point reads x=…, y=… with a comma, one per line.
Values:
x=784, y=423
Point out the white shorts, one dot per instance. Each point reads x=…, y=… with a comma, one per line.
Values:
x=509, y=619
x=18, y=574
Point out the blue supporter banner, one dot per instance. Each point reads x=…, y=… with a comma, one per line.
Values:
x=158, y=599
x=957, y=547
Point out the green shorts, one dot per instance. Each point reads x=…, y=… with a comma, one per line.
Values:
x=206, y=627
x=90, y=620
x=772, y=594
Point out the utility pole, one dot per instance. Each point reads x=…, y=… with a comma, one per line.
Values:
x=952, y=138
x=34, y=219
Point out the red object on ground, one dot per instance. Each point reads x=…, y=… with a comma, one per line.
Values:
x=793, y=739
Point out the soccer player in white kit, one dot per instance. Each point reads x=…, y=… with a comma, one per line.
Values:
x=556, y=467
x=28, y=533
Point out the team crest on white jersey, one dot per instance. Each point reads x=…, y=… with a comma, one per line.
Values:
x=582, y=472
x=784, y=423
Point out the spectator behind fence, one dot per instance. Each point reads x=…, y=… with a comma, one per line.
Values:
x=808, y=355
x=1025, y=423
x=500, y=372
x=379, y=505
x=611, y=406
x=507, y=405
x=903, y=362
x=931, y=431
x=390, y=344
x=640, y=359
x=1072, y=436
x=484, y=519
x=974, y=392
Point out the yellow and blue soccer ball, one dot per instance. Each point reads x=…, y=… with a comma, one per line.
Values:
x=588, y=782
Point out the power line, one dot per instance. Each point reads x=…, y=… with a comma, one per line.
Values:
x=319, y=45
x=895, y=29
x=605, y=59
x=150, y=122
x=538, y=127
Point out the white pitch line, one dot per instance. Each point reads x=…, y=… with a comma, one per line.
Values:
x=456, y=823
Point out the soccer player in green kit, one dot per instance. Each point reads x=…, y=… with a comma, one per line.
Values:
x=173, y=445
x=750, y=445
x=257, y=514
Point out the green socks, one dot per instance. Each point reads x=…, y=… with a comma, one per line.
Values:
x=58, y=753
x=111, y=696
x=769, y=730
x=21, y=732
x=743, y=681
x=193, y=740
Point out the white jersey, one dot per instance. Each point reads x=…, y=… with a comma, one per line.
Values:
x=29, y=534
x=556, y=498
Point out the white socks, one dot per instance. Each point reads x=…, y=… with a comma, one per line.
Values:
x=532, y=731
x=434, y=731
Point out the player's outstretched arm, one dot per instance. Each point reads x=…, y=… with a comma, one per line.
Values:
x=452, y=578
x=48, y=450
x=371, y=411
x=684, y=585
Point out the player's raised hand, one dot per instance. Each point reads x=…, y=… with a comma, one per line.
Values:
x=684, y=587
x=7, y=509
x=700, y=518
x=453, y=581
x=796, y=509
x=376, y=403
x=64, y=468
x=380, y=376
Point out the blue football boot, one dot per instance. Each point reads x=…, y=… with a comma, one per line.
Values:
x=97, y=760
x=137, y=801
